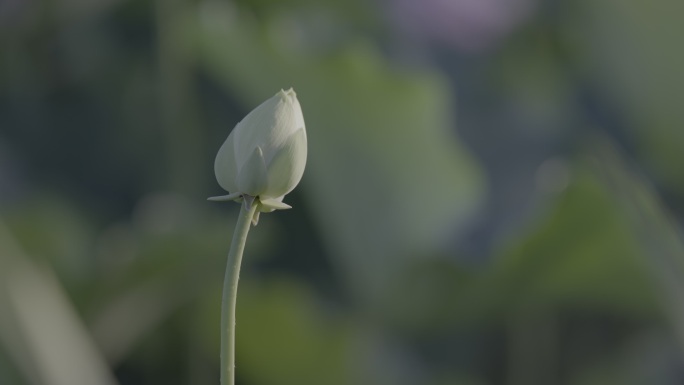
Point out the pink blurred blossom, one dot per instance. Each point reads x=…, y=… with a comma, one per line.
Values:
x=469, y=25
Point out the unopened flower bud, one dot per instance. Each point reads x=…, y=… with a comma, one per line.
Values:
x=265, y=154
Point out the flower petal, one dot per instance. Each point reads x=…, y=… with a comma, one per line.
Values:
x=252, y=179
x=287, y=166
x=269, y=125
x=225, y=166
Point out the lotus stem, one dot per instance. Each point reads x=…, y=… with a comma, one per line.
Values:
x=248, y=209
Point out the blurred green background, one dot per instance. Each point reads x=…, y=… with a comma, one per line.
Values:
x=493, y=195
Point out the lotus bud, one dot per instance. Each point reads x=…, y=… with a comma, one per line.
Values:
x=265, y=154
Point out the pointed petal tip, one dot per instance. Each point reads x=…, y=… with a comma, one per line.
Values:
x=288, y=93
x=224, y=198
x=255, y=218
x=274, y=204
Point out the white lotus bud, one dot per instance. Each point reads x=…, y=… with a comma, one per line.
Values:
x=265, y=154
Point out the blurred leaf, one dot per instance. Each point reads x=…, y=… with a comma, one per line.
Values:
x=582, y=253
x=170, y=254
x=651, y=358
x=658, y=235
x=53, y=229
x=285, y=335
x=8, y=373
x=630, y=49
x=40, y=327
x=452, y=379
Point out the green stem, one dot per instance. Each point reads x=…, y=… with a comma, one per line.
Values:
x=230, y=286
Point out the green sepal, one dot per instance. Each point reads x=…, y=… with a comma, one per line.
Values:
x=223, y=198
x=268, y=205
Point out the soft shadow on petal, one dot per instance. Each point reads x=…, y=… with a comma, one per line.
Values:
x=252, y=179
x=287, y=166
x=255, y=129
x=225, y=166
